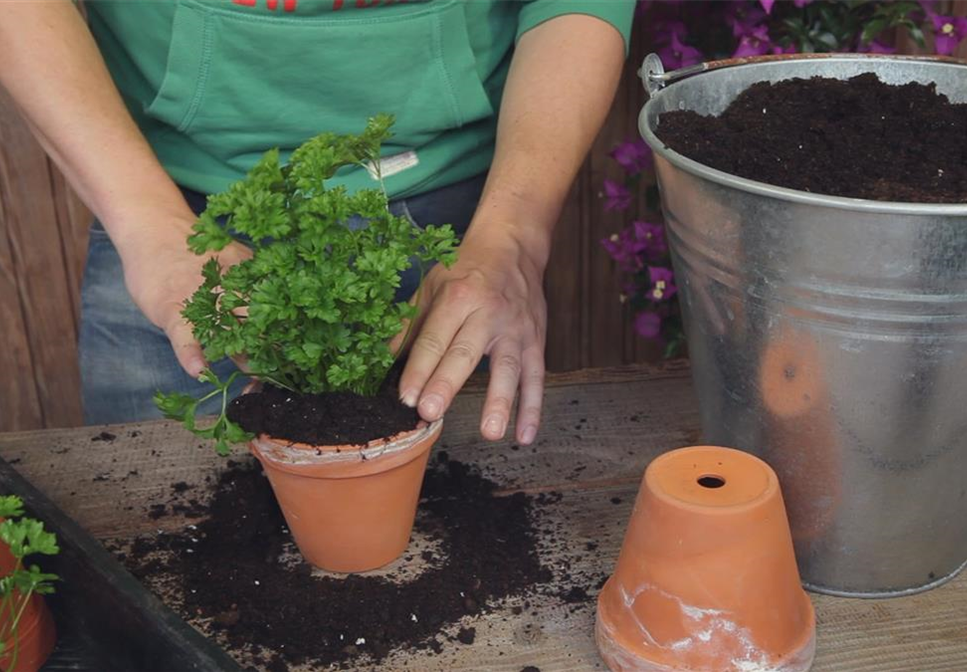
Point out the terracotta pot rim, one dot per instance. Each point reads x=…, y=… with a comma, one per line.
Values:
x=772, y=484
x=285, y=454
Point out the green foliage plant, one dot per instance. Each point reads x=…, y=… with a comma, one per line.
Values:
x=315, y=307
x=24, y=536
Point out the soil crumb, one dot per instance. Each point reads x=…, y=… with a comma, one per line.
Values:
x=237, y=575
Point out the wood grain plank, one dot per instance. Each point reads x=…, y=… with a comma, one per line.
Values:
x=73, y=222
x=562, y=283
x=30, y=221
x=19, y=402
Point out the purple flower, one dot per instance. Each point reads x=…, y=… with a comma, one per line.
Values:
x=751, y=18
x=648, y=325
x=632, y=155
x=754, y=43
x=651, y=237
x=767, y=5
x=617, y=196
x=662, y=283
x=674, y=52
x=875, y=47
x=624, y=249
x=948, y=32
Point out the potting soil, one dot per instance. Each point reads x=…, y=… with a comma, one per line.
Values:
x=329, y=419
x=230, y=570
x=858, y=138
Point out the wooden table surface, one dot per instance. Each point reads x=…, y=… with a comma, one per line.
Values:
x=601, y=429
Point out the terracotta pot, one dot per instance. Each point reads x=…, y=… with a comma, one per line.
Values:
x=36, y=634
x=350, y=508
x=706, y=580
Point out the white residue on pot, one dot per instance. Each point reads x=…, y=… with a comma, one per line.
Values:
x=713, y=628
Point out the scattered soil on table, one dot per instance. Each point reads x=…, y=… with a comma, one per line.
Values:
x=857, y=138
x=104, y=436
x=232, y=572
x=328, y=419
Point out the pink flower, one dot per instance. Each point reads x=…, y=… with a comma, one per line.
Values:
x=674, y=52
x=632, y=155
x=651, y=237
x=648, y=324
x=948, y=32
x=624, y=248
x=617, y=196
x=662, y=283
x=752, y=18
x=754, y=43
x=767, y=5
x=875, y=47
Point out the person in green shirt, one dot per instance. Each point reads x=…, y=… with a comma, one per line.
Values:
x=148, y=106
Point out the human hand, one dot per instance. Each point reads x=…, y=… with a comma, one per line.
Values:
x=161, y=272
x=490, y=302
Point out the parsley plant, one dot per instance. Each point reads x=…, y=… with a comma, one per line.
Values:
x=23, y=536
x=314, y=309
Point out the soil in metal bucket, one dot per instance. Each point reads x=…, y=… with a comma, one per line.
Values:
x=237, y=577
x=858, y=138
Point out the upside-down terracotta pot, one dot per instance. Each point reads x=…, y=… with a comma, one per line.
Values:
x=706, y=580
x=36, y=633
x=350, y=508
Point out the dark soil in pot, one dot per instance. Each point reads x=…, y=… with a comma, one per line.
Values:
x=858, y=138
x=329, y=419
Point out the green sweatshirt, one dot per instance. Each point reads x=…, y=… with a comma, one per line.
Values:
x=215, y=84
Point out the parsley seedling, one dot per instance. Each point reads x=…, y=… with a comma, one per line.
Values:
x=314, y=309
x=23, y=536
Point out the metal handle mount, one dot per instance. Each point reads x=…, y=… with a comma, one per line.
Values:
x=654, y=77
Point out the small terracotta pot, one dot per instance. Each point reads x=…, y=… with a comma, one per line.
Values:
x=36, y=633
x=350, y=508
x=706, y=580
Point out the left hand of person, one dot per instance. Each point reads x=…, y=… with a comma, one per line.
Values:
x=490, y=302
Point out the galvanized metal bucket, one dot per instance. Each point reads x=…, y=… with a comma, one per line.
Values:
x=829, y=337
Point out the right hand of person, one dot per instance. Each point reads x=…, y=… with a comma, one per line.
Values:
x=161, y=273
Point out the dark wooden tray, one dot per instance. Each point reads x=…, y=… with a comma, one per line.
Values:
x=106, y=619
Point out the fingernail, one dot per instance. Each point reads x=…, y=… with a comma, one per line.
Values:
x=196, y=366
x=431, y=406
x=409, y=398
x=527, y=436
x=494, y=426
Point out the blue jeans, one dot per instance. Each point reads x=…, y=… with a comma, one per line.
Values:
x=125, y=359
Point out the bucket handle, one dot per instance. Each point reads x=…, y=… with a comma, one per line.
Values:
x=655, y=78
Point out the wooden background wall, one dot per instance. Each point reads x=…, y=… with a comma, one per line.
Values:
x=43, y=242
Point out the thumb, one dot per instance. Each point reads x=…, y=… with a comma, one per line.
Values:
x=186, y=347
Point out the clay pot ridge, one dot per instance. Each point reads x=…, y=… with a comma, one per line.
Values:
x=285, y=453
